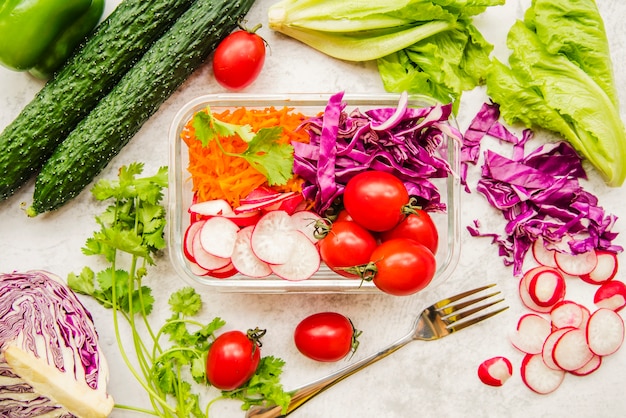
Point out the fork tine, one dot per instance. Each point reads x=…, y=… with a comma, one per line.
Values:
x=458, y=315
x=448, y=309
x=457, y=326
x=447, y=301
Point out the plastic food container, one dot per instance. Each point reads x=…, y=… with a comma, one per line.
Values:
x=325, y=280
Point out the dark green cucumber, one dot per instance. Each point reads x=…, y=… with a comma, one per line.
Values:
x=116, y=44
x=119, y=116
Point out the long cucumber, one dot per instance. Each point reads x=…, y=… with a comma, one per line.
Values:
x=138, y=95
x=117, y=43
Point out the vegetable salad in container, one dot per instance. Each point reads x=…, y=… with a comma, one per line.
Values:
x=257, y=188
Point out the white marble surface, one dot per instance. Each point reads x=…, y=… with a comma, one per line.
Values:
x=436, y=379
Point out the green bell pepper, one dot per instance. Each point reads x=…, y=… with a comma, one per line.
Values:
x=39, y=35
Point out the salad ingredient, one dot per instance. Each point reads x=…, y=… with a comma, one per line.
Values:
x=543, y=255
x=239, y=58
x=426, y=47
x=418, y=226
x=344, y=143
x=401, y=267
x=204, y=258
x=591, y=366
x=218, y=235
x=216, y=175
x=539, y=194
x=376, y=200
x=244, y=259
x=568, y=313
x=560, y=78
x=546, y=287
x=576, y=264
x=605, y=270
x=131, y=231
x=26, y=48
x=305, y=221
x=530, y=334
x=346, y=244
x=538, y=377
x=326, y=336
x=90, y=146
x=303, y=261
x=215, y=207
x=87, y=77
x=233, y=358
x=273, y=237
x=611, y=295
x=571, y=351
x=495, y=371
x=49, y=348
x=605, y=332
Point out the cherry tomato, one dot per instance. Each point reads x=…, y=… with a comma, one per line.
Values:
x=375, y=200
x=326, y=336
x=417, y=226
x=239, y=58
x=233, y=358
x=402, y=266
x=347, y=244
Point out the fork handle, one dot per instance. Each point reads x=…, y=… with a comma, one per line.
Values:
x=304, y=393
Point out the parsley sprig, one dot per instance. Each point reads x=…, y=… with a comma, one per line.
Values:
x=170, y=361
x=265, y=152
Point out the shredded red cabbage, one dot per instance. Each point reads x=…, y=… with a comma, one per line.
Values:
x=539, y=194
x=408, y=142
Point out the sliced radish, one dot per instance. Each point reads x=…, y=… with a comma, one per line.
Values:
x=611, y=295
x=211, y=208
x=531, y=332
x=548, y=347
x=244, y=259
x=190, y=233
x=568, y=313
x=218, y=235
x=546, y=287
x=525, y=295
x=304, y=262
x=495, y=371
x=273, y=237
x=244, y=219
x=264, y=204
x=260, y=194
x=605, y=332
x=539, y=377
x=305, y=221
x=571, y=351
x=222, y=273
x=205, y=259
x=576, y=264
x=591, y=366
x=605, y=270
x=197, y=270
x=543, y=255
x=288, y=204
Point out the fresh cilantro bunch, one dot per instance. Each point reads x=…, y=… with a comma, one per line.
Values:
x=173, y=371
x=265, y=153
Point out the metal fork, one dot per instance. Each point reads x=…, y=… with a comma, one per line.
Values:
x=436, y=321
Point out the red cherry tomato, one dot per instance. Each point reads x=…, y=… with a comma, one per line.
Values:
x=403, y=266
x=238, y=59
x=375, y=200
x=417, y=226
x=347, y=244
x=233, y=358
x=326, y=336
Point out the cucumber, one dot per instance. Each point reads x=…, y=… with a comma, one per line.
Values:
x=119, y=116
x=116, y=44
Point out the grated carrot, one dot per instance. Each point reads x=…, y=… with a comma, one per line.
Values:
x=218, y=176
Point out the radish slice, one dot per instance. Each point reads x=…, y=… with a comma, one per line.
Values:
x=211, y=208
x=576, y=264
x=303, y=264
x=260, y=194
x=304, y=221
x=227, y=271
x=546, y=287
x=244, y=259
x=264, y=204
x=288, y=204
x=531, y=332
x=273, y=237
x=605, y=332
x=571, y=351
x=218, y=236
x=611, y=295
x=495, y=371
x=605, y=270
x=591, y=366
x=568, y=313
x=525, y=295
x=548, y=347
x=205, y=259
x=244, y=218
x=188, y=238
x=538, y=377
x=543, y=255
x=197, y=270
